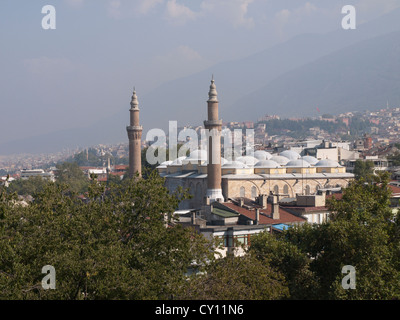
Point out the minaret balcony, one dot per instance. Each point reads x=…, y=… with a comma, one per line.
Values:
x=134, y=128
x=213, y=123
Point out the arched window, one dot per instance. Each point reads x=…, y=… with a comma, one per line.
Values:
x=276, y=190
x=285, y=189
x=242, y=192
x=253, y=192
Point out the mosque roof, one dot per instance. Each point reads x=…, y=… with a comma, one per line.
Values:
x=248, y=160
x=177, y=162
x=262, y=155
x=235, y=165
x=310, y=159
x=280, y=159
x=299, y=163
x=290, y=154
x=327, y=163
x=267, y=164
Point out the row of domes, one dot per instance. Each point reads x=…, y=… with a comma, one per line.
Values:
x=261, y=159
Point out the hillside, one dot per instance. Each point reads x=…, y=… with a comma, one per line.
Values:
x=364, y=76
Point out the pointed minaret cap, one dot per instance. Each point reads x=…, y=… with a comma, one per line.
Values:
x=212, y=94
x=134, y=102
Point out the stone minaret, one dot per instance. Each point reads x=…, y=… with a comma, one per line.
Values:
x=213, y=124
x=135, y=138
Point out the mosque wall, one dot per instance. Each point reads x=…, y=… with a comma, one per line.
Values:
x=252, y=188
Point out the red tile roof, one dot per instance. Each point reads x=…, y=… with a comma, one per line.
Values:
x=308, y=209
x=394, y=189
x=338, y=196
x=121, y=167
x=117, y=173
x=266, y=214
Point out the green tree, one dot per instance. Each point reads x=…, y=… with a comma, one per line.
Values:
x=71, y=174
x=30, y=186
x=290, y=260
x=115, y=179
x=362, y=232
x=237, y=278
x=115, y=245
x=364, y=170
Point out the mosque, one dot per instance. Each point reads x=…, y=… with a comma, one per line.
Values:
x=284, y=175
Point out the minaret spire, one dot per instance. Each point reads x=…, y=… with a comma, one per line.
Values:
x=134, y=101
x=213, y=125
x=135, y=138
x=213, y=94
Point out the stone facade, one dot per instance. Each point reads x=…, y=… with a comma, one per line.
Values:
x=251, y=186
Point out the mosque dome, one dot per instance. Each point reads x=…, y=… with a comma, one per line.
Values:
x=164, y=164
x=235, y=165
x=262, y=155
x=290, y=154
x=299, y=163
x=223, y=161
x=248, y=160
x=311, y=160
x=327, y=163
x=280, y=159
x=267, y=164
x=177, y=162
x=198, y=155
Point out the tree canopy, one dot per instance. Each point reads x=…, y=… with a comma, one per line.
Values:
x=114, y=245
x=362, y=232
x=117, y=243
x=364, y=170
x=121, y=242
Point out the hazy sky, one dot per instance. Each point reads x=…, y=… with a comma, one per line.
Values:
x=85, y=69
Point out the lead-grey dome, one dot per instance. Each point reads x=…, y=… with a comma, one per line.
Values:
x=262, y=155
x=290, y=154
x=299, y=163
x=234, y=165
x=248, y=160
x=311, y=160
x=177, y=162
x=327, y=163
x=267, y=164
x=198, y=155
x=280, y=159
x=164, y=164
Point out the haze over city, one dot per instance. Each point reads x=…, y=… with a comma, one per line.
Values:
x=71, y=86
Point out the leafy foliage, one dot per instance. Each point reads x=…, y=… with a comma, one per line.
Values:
x=364, y=170
x=237, y=278
x=29, y=186
x=115, y=245
x=362, y=232
x=71, y=174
